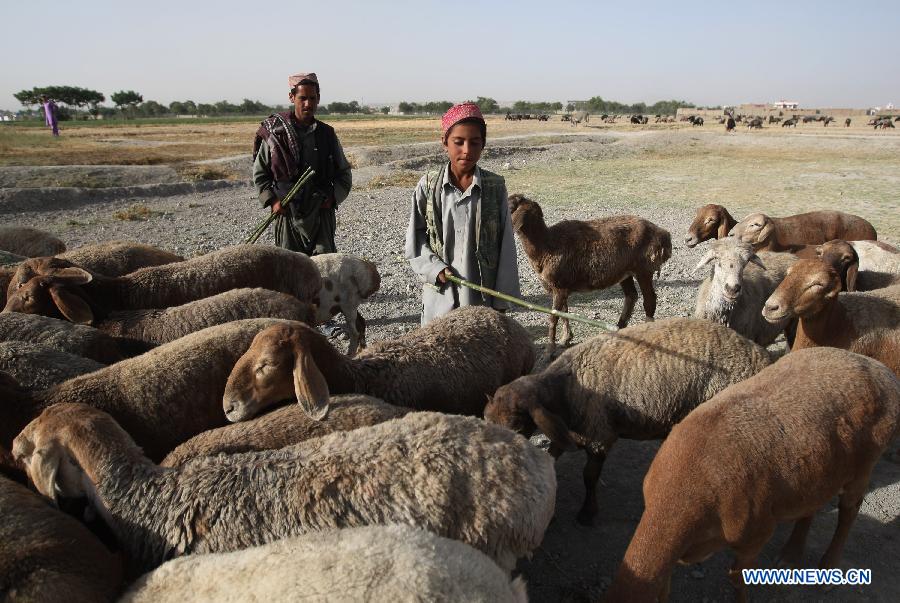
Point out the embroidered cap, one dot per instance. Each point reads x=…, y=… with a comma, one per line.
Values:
x=294, y=80
x=457, y=113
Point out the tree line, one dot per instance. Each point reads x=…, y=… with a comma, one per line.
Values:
x=75, y=101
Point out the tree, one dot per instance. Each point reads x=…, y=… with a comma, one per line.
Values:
x=385, y=110
x=177, y=108
x=151, y=108
x=487, y=105
x=126, y=99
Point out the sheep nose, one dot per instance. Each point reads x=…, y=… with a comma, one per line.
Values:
x=772, y=307
x=733, y=289
x=689, y=241
x=229, y=407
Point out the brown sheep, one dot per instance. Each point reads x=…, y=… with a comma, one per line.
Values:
x=450, y=365
x=69, y=291
x=711, y=222
x=811, y=292
x=45, y=555
x=776, y=447
x=575, y=255
x=883, y=345
x=812, y=228
x=29, y=242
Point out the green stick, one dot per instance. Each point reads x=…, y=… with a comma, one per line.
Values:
x=531, y=306
x=259, y=230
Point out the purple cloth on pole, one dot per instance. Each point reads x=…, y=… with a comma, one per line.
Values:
x=50, y=116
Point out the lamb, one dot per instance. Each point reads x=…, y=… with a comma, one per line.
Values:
x=737, y=288
x=711, y=222
x=812, y=228
x=636, y=383
x=29, y=242
x=48, y=556
x=377, y=563
x=775, y=447
x=584, y=256
x=450, y=365
x=37, y=366
x=883, y=345
x=63, y=336
x=162, y=397
x=162, y=286
x=346, y=281
x=285, y=426
x=113, y=258
x=163, y=326
x=810, y=291
x=425, y=470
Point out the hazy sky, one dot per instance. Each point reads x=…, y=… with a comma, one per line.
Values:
x=826, y=54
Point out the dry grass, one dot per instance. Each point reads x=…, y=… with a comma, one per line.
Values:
x=404, y=178
x=135, y=213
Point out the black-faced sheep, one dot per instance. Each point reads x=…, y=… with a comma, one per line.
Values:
x=711, y=222
x=285, y=426
x=812, y=228
x=575, y=255
x=76, y=294
x=47, y=556
x=773, y=448
x=425, y=469
x=811, y=292
x=450, y=365
x=376, y=563
x=739, y=283
x=29, y=242
x=636, y=383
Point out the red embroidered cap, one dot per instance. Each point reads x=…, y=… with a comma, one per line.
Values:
x=457, y=113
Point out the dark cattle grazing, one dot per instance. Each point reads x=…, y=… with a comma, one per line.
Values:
x=755, y=123
x=789, y=123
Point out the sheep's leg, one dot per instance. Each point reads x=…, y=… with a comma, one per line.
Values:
x=350, y=316
x=792, y=551
x=567, y=328
x=745, y=557
x=361, y=329
x=591, y=475
x=848, y=508
x=630, y=292
x=559, y=300
x=648, y=293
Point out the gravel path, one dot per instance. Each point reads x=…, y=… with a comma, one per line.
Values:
x=574, y=563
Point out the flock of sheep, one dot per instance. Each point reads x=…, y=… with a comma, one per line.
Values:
x=141, y=393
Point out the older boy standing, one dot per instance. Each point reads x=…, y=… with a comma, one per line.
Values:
x=285, y=145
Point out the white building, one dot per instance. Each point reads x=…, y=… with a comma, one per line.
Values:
x=783, y=104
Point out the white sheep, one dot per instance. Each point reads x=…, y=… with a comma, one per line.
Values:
x=738, y=285
x=425, y=469
x=450, y=365
x=347, y=281
x=376, y=563
x=877, y=256
x=636, y=383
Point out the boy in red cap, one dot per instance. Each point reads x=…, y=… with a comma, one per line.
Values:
x=459, y=223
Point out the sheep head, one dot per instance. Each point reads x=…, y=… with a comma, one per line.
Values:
x=731, y=256
x=516, y=406
x=841, y=256
x=49, y=447
x=756, y=229
x=711, y=222
x=33, y=267
x=522, y=209
x=56, y=296
x=280, y=363
x=805, y=290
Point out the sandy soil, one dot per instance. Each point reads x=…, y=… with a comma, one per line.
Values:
x=661, y=175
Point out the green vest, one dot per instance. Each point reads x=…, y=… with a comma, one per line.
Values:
x=487, y=222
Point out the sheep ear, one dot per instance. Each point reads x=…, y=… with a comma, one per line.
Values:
x=706, y=259
x=756, y=260
x=764, y=233
x=723, y=228
x=850, y=276
x=43, y=470
x=554, y=428
x=310, y=386
x=72, y=306
x=71, y=275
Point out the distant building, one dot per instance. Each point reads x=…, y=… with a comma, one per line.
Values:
x=783, y=104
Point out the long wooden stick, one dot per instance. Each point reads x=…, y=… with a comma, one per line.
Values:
x=531, y=306
x=261, y=228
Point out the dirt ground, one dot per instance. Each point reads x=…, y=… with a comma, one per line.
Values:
x=661, y=173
